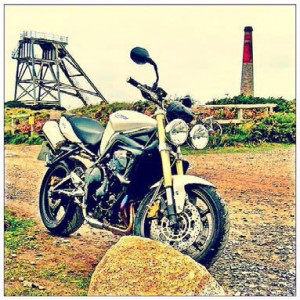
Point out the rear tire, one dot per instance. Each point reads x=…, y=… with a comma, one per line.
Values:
x=60, y=215
x=208, y=242
x=215, y=132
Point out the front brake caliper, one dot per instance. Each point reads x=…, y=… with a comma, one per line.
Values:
x=154, y=208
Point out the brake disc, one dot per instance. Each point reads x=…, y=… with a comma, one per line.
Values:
x=181, y=238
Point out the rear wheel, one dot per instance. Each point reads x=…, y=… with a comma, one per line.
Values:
x=203, y=225
x=60, y=215
x=215, y=132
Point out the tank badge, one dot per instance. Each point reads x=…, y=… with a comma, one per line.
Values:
x=120, y=116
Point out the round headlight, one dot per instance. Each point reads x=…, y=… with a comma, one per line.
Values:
x=177, y=132
x=199, y=137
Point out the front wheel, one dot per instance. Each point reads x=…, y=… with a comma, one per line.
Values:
x=203, y=225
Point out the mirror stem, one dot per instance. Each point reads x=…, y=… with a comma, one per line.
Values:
x=154, y=87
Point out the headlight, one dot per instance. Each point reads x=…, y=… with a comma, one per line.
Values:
x=199, y=136
x=177, y=132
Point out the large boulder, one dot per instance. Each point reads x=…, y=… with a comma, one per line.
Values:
x=137, y=266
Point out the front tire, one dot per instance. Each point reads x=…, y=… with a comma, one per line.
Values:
x=60, y=215
x=203, y=225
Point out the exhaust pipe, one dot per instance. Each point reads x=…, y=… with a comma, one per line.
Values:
x=96, y=224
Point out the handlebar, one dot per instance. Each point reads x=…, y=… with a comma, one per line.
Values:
x=155, y=95
x=133, y=82
x=147, y=93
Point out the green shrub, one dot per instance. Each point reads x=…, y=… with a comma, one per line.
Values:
x=7, y=136
x=234, y=139
x=21, y=138
x=39, y=106
x=18, y=138
x=283, y=105
x=35, y=140
x=277, y=128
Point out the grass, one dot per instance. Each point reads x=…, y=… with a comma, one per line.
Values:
x=234, y=149
x=21, y=236
x=16, y=234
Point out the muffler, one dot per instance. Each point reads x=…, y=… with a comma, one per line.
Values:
x=97, y=224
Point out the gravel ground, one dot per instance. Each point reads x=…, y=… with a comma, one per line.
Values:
x=259, y=188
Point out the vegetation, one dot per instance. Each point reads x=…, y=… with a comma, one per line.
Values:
x=18, y=104
x=280, y=127
x=21, y=237
x=282, y=104
x=16, y=231
x=22, y=138
x=102, y=112
x=262, y=147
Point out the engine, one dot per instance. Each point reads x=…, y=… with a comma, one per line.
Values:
x=104, y=186
x=119, y=161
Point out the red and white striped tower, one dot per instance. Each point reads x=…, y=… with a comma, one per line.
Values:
x=247, y=83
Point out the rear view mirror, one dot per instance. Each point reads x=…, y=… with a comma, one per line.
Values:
x=140, y=56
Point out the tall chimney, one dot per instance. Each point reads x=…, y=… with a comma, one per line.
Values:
x=247, y=83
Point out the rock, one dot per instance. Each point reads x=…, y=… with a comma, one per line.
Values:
x=137, y=266
x=10, y=154
x=21, y=279
x=27, y=284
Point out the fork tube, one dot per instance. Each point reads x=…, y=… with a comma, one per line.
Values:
x=166, y=166
x=179, y=166
x=164, y=150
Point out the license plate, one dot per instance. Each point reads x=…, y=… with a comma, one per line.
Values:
x=44, y=151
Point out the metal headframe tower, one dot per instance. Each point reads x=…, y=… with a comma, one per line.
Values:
x=46, y=70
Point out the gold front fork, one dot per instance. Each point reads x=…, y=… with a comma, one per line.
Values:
x=179, y=165
x=164, y=150
x=166, y=166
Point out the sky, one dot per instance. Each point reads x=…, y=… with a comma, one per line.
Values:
x=198, y=48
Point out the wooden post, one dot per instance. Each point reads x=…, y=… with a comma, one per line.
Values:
x=240, y=114
x=13, y=125
x=266, y=111
x=31, y=123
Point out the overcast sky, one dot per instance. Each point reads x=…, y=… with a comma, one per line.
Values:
x=198, y=48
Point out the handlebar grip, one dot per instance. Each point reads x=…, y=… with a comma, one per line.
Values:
x=133, y=82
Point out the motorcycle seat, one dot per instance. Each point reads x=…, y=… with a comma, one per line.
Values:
x=88, y=130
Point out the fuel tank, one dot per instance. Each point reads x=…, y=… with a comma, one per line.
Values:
x=123, y=121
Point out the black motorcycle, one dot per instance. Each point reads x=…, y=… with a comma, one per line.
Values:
x=130, y=177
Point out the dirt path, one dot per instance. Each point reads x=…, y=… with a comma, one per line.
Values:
x=257, y=186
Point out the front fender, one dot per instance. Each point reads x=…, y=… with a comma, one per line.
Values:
x=179, y=183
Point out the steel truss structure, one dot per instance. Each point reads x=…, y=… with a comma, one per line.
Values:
x=46, y=70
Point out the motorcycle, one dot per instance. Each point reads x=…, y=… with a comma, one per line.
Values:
x=130, y=177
